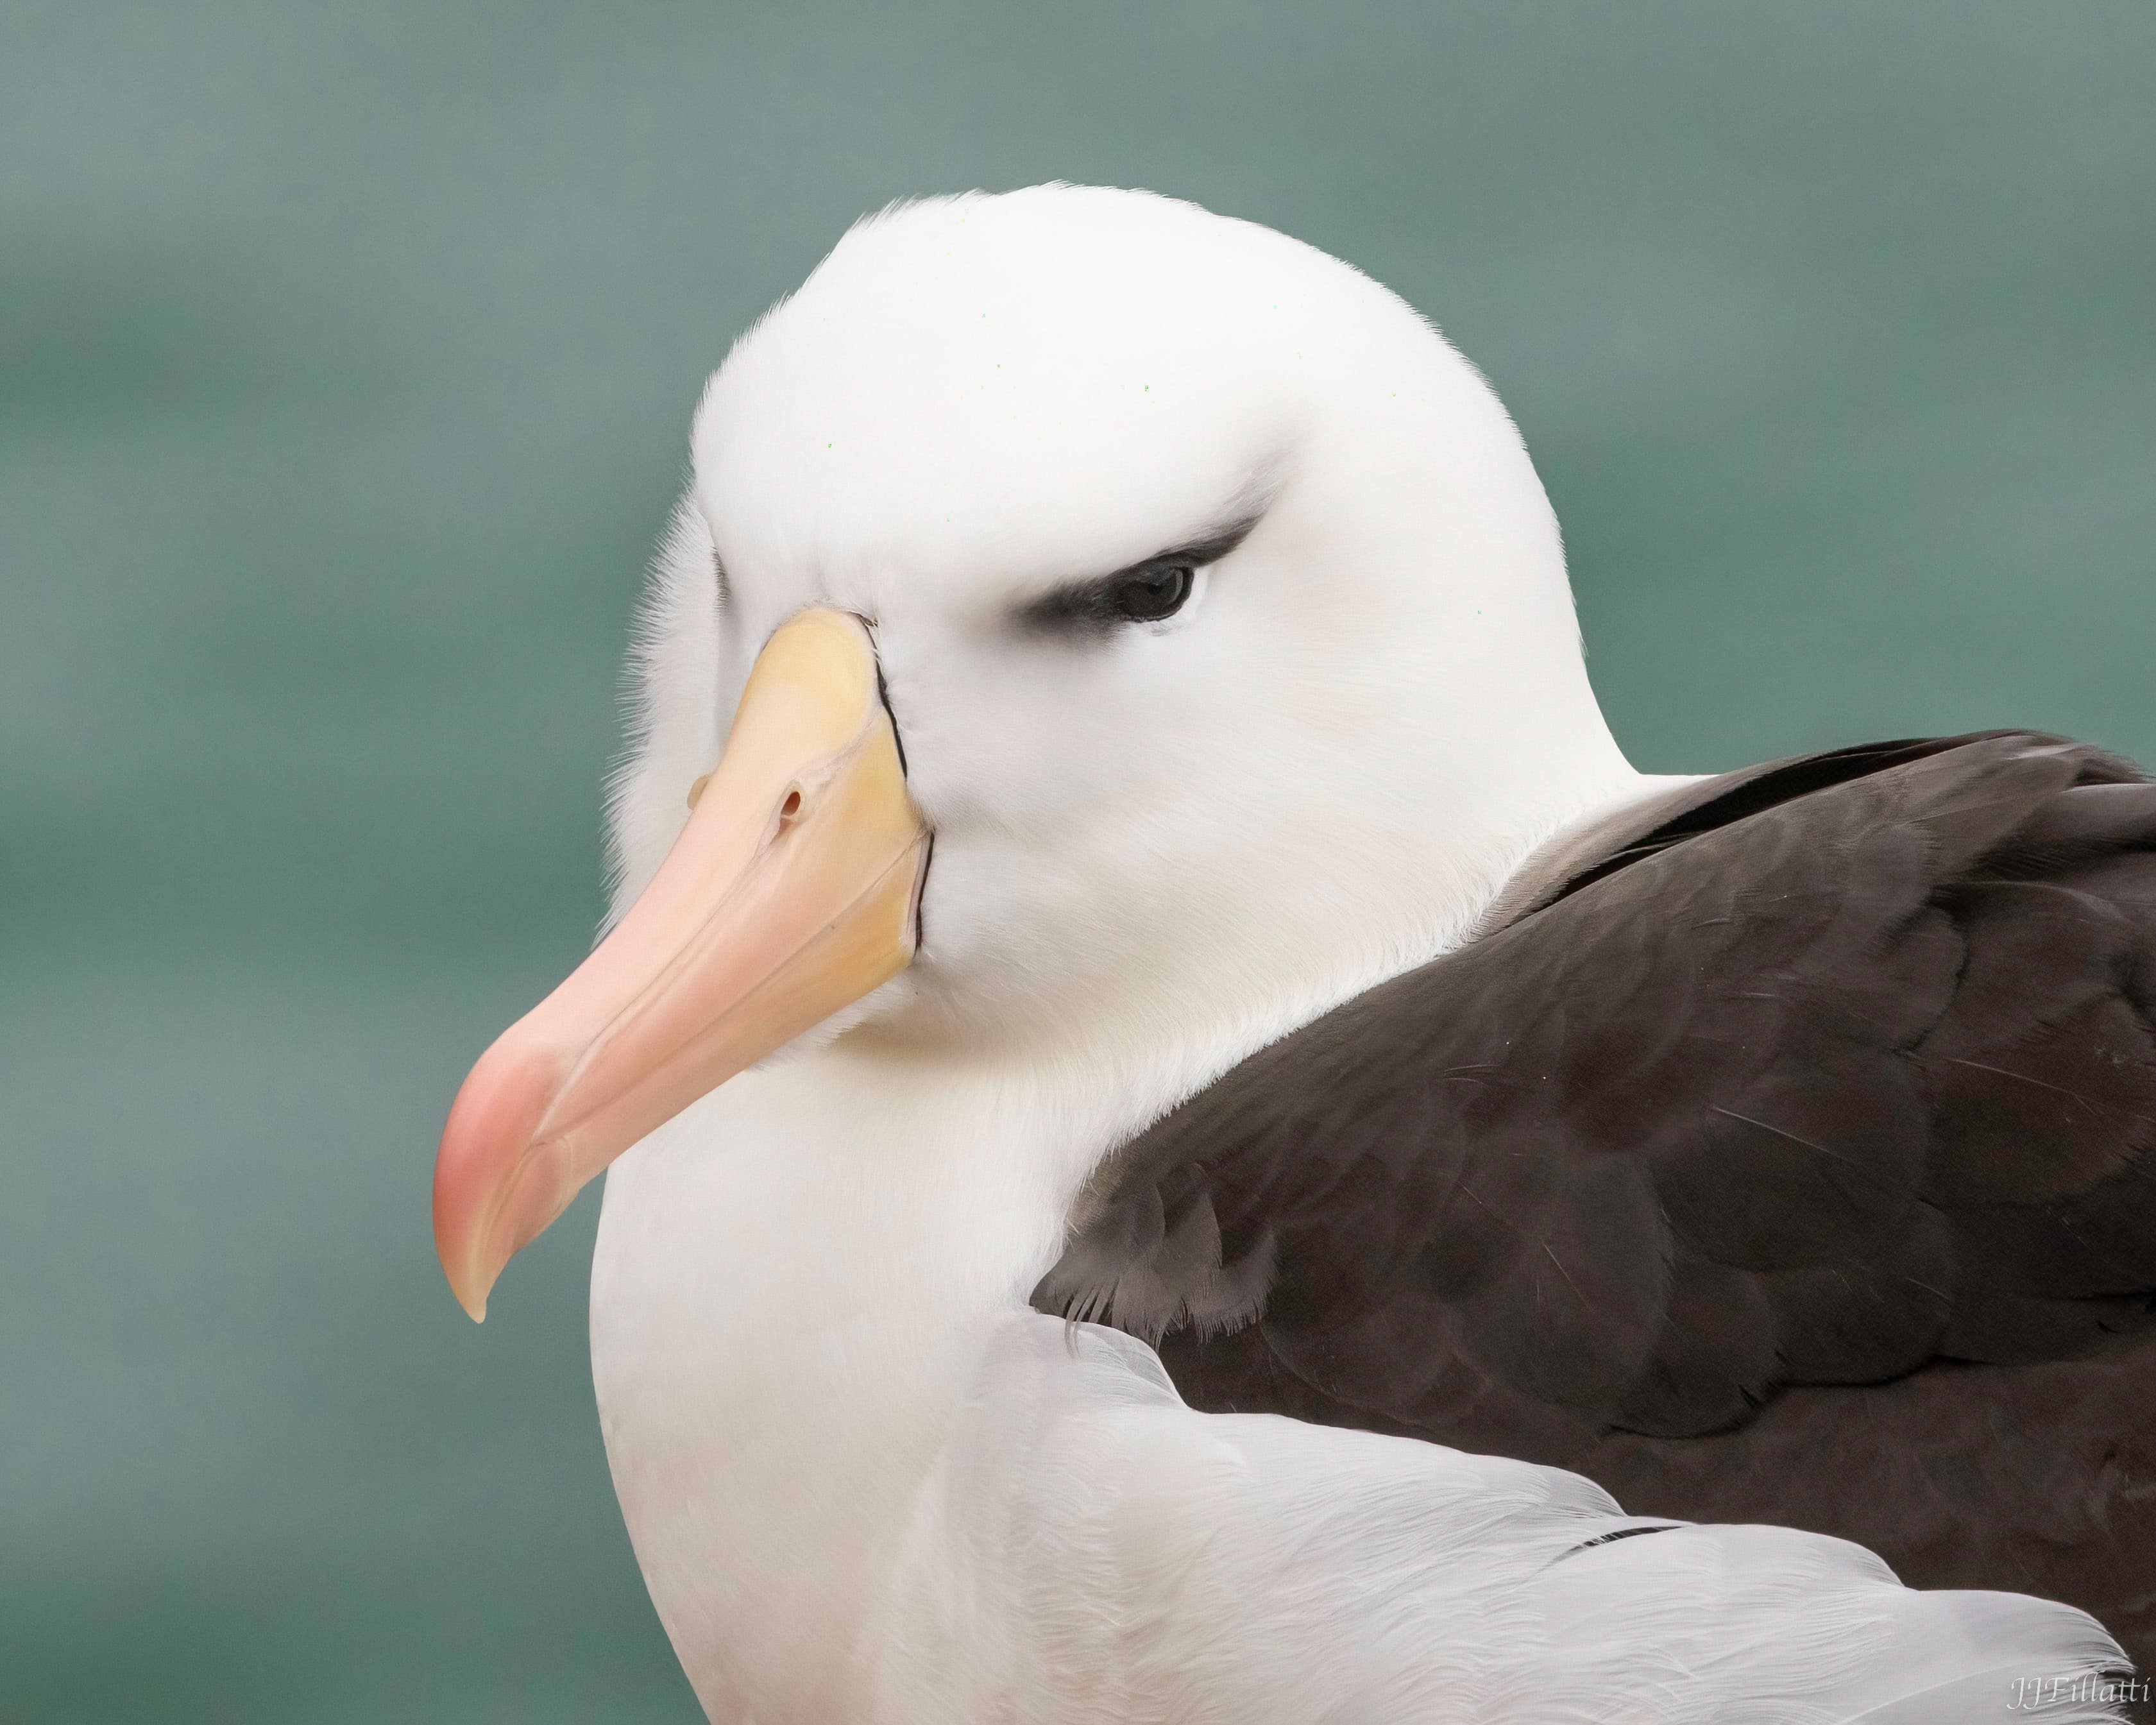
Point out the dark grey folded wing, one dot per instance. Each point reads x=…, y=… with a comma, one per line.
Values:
x=1843, y=1073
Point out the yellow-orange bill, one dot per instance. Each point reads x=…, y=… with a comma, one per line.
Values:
x=792, y=892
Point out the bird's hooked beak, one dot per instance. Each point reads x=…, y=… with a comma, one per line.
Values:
x=794, y=890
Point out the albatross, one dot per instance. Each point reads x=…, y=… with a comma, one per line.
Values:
x=1119, y=847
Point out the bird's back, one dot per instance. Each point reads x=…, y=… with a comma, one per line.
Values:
x=1793, y=1161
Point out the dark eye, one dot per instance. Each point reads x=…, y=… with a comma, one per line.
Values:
x=1155, y=592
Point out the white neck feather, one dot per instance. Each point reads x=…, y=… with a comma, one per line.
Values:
x=794, y=1281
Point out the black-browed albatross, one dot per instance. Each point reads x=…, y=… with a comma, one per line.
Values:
x=1143, y=638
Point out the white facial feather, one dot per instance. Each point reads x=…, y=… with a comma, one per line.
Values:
x=1375, y=707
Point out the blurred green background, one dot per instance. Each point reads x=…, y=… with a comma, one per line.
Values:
x=346, y=356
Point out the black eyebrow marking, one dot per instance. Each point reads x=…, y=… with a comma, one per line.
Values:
x=1091, y=603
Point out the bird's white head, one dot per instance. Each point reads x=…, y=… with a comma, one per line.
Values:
x=1105, y=616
